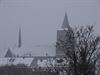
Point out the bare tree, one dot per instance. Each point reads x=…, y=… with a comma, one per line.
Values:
x=81, y=48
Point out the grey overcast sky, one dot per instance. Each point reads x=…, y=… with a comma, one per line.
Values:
x=39, y=19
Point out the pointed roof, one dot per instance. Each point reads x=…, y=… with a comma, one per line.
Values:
x=66, y=22
x=19, y=40
x=9, y=53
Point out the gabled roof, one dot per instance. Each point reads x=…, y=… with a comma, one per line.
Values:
x=35, y=51
x=9, y=53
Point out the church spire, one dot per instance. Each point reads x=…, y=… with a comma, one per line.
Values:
x=66, y=22
x=19, y=40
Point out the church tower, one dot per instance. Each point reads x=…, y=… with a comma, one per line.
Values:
x=62, y=35
x=19, y=40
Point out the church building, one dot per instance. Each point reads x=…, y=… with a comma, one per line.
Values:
x=38, y=55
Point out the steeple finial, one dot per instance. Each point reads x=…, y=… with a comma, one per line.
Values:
x=66, y=22
x=19, y=40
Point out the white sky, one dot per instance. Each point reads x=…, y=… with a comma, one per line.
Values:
x=39, y=19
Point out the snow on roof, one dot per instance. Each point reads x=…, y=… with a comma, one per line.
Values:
x=26, y=61
x=15, y=61
x=46, y=62
x=3, y=61
x=35, y=51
